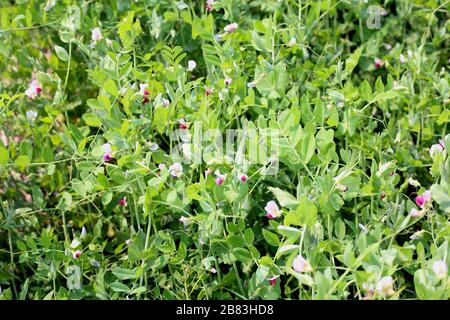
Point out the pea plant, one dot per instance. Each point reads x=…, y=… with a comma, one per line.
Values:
x=224, y=149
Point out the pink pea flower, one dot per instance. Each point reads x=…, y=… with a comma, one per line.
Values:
x=208, y=91
x=165, y=102
x=76, y=254
x=243, y=178
x=106, y=152
x=209, y=5
x=437, y=148
x=272, y=210
x=34, y=89
x=183, y=124
x=342, y=187
x=423, y=199
x=208, y=172
x=231, y=27
x=123, y=202
x=228, y=81
x=415, y=213
x=378, y=63
x=220, y=178
x=273, y=280
x=300, y=264
x=143, y=90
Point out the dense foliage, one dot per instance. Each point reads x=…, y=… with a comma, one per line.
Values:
x=100, y=106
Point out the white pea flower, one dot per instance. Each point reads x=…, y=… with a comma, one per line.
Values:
x=176, y=170
x=96, y=34
x=440, y=268
x=31, y=115
x=300, y=264
x=191, y=65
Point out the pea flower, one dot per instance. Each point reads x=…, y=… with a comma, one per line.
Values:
x=378, y=63
x=128, y=242
x=440, y=268
x=209, y=5
x=386, y=286
x=292, y=41
x=31, y=115
x=273, y=280
x=33, y=90
x=437, y=148
x=107, y=152
x=402, y=59
x=231, y=27
x=96, y=34
x=243, y=177
x=76, y=254
x=414, y=213
x=83, y=233
x=154, y=147
x=227, y=81
x=272, y=210
x=220, y=178
x=176, y=170
x=300, y=264
x=143, y=90
x=50, y=4
x=183, y=124
x=161, y=166
x=208, y=172
x=184, y=221
x=341, y=187
x=191, y=65
x=123, y=202
x=423, y=199
x=165, y=102
x=208, y=91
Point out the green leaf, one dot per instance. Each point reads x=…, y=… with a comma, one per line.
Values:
x=441, y=196
x=124, y=274
x=22, y=162
x=305, y=214
x=92, y=120
x=366, y=90
x=352, y=61
x=284, y=198
x=308, y=146
x=111, y=87
x=4, y=156
x=119, y=287
x=271, y=238
x=242, y=255
x=61, y=53
x=289, y=232
x=106, y=198
x=249, y=237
